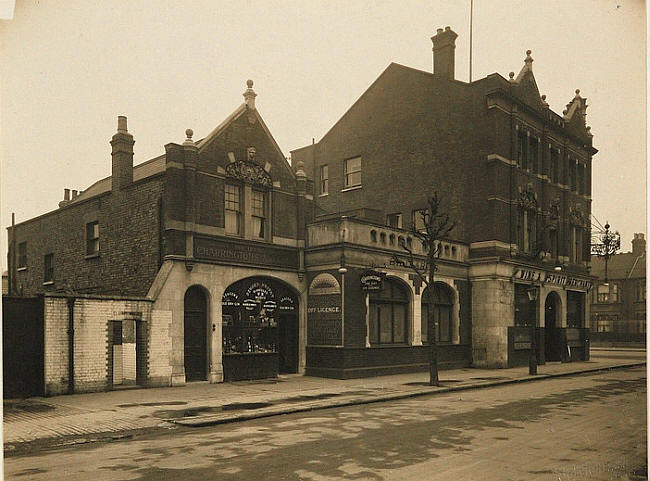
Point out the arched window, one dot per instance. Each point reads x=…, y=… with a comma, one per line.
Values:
x=442, y=313
x=389, y=314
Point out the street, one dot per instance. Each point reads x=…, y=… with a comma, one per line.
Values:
x=589, y=427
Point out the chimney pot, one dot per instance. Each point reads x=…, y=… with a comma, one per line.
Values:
x=439, y=30
x=74, y=194
x=121, y=124
x=66, y=194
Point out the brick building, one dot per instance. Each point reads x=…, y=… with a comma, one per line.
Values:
x=242, y=266
x=618, y=300
x=514, y=174
x=205, y=239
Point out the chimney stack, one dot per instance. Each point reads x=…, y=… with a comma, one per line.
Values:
x=444, y=46
x=74, y=194
x=638, y=245
x=122, y=153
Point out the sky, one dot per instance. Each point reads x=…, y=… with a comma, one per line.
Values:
x=70, y=67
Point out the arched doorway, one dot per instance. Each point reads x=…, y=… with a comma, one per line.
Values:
x=195, y=332
x=443, y=302
x=552, y=332
x=260, y=322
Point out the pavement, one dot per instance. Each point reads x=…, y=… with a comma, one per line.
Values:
x=84, y=418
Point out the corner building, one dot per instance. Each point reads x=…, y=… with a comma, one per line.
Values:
x=516, y=177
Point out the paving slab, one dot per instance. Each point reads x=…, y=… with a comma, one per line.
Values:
x=69, y=418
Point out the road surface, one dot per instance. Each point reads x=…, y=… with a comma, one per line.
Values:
x=588, y=427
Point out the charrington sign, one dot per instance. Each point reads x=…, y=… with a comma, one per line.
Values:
x=533, y=275
x=371, y=280
x=231, y=252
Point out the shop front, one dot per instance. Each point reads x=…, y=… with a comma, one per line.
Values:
x=552, y=306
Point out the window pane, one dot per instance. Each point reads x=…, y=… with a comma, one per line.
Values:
x=385, y=328
x=399, y=321
x=232, y=197
x=232, y=222
x=258, y=227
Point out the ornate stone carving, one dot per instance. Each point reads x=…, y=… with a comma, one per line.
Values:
x=554, y=209
x=576, y=216
x=249, y=172
x=527, y=198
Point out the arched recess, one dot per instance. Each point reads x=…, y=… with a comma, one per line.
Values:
x=195, y=333
x=552, y=325
x=445, y=314
x=260, y=315
x=389, y=312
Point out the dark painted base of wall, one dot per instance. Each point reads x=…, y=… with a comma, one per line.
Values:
x=354, y=363
x=257, y=365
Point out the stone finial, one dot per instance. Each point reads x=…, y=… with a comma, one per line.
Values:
x=188, y=141
x=249, y=95
x=512, y=76
x=578, y=94
x=300, y=169
x=529, y=59
x=544, y=100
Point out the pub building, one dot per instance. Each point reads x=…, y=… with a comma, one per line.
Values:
x=242, y=266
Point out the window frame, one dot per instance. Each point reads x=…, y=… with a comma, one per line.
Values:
x=92, y=239
x=378, y=301
x=48, y=268
x=238, y=212
x=324, y=179
x=22, y=255
x=347, y=184
x=396, y=216
x=439, y=306
x=257, y=214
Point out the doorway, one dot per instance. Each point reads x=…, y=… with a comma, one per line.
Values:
x=288, y=343
x=195, y=331
x=552, y=334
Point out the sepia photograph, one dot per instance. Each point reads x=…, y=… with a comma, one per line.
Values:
x=324, y=240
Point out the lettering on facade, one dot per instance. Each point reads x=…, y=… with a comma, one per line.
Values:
x=561, y=280
x=371, y=280
x=324, y=320
x=219, y=250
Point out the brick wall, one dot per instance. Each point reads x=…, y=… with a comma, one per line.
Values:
x=93, y=344
x=128, y=237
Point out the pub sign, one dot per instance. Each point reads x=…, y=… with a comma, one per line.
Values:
x=372, y=280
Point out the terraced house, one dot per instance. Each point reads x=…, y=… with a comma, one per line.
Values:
x=219, y=260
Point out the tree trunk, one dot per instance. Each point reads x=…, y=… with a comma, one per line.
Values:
x=433, y=344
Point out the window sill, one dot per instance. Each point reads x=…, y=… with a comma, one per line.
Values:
x=92, y=256
x=353, y=187
x=21, y=269
x=48, y=283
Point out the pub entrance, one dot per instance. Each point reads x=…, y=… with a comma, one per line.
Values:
x=553, y=332
x=195, y=331
x=260, y=329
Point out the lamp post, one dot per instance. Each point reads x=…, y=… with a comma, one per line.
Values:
x=532, y=357
x=609, y=243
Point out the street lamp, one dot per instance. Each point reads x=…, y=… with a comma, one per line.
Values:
x=609, y=243
x=532, y=357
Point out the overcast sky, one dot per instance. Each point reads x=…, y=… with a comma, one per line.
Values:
x=69, y=68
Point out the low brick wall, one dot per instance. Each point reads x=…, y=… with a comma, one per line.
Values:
x=94, y=319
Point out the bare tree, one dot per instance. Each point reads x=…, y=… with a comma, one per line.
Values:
x=436, y=226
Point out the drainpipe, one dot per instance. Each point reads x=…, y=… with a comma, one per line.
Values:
x=70, y=344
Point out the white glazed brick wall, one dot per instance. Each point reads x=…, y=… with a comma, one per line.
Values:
x=92, y=318
x=56, y=346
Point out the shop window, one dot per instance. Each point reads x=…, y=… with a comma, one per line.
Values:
x=353, y=172
x=575, y=304
x=258, y=213
x=92, y=238
x=442, y=313
x=22, y=255
x=389, y=314
x=48, y=268
x=324, y=179
x=525, y=309
x=394, y=221
x=233, y=209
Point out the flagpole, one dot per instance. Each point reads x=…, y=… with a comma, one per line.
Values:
x=471, y=15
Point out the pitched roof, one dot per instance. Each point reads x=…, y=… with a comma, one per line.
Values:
x=620, y=266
